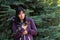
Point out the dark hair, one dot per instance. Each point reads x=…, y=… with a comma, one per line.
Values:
x=19, y=9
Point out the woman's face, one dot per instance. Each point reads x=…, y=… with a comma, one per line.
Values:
x=21, y=15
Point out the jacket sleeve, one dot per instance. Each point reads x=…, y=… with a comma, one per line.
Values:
x=16, y=34
x=32, y=29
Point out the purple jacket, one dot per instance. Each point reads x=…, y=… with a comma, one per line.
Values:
x=32, y=30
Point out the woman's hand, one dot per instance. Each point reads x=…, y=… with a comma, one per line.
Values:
x=25, y=27
x=25, y=32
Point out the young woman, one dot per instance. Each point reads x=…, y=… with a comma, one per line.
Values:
x=23, y=27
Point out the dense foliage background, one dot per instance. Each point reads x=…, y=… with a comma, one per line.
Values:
x=46, y=14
